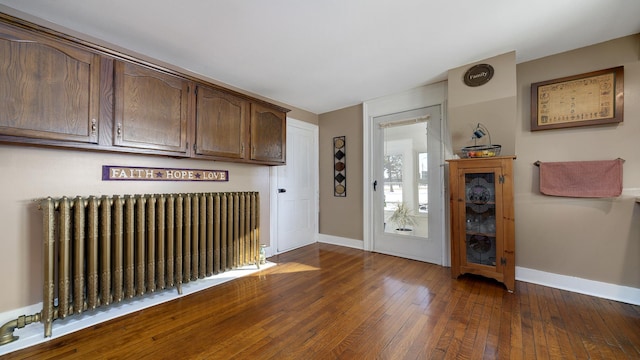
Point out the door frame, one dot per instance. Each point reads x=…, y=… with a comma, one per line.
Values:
x=435, y=94
x=273, y=189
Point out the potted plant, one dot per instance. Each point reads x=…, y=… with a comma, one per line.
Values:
x=403, y=218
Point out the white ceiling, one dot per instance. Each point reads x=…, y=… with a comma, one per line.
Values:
x=326, y=55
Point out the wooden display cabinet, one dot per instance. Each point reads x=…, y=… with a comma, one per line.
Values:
x=482, y=219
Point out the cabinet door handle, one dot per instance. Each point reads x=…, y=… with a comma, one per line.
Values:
x=119, y=130
x=94, y=126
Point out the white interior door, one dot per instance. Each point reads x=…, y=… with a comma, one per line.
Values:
x=297, y=188
x=408, y=179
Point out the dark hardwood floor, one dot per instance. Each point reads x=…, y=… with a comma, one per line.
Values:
x=330, y=302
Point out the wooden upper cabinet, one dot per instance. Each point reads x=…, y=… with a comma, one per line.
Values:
x=268, y=134
x=221, y=124
x=57, y=90
x=151, y=109
x=49, y=90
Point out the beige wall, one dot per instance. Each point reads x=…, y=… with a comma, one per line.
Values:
x=341, y=216
x=302, y=115
x=596, y=239
x=492, y=104
x=40, y=172
x=31, y=173
x=591, y=239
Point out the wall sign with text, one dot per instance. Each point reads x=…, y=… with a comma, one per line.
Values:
x=133, y=173
x=478, y=75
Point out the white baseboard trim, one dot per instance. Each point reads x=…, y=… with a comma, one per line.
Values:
x=33, y=334
x=342, y=241
x=600, y=289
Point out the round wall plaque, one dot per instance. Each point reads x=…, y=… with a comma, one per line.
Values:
x=478, y=75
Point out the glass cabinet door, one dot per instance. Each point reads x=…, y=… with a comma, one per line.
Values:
x=480, y=218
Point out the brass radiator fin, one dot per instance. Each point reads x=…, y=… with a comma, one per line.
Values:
x=103, y=250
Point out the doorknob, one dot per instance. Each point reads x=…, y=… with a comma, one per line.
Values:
x=282, y=190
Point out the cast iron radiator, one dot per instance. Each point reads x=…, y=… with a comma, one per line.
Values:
x=103, y=250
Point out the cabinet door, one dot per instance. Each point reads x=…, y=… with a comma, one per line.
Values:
x=48, y=89
x=268, y=134
x=221, y=124
x=482, y=247
x=151, y=109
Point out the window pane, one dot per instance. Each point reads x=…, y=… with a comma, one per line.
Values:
x=423, y=182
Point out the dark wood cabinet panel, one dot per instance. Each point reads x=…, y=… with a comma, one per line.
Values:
x=151, y=109
x=49, y=90
x=221, y=124
x=268, y=134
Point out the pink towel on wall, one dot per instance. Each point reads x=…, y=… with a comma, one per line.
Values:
x=592, y=179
